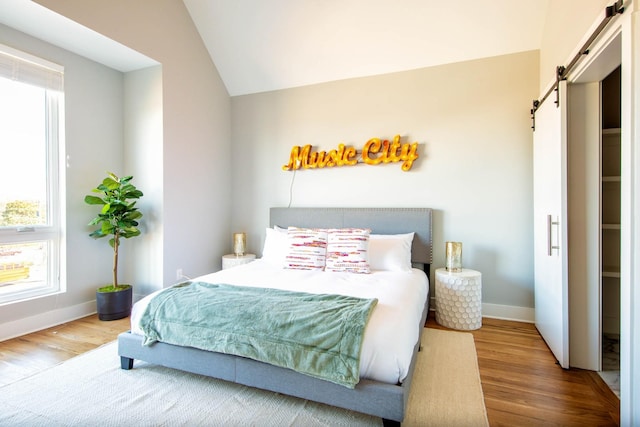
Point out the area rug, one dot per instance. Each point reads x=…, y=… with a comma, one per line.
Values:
x=91, y=390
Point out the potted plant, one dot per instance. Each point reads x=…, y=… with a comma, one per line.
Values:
x=118, y=218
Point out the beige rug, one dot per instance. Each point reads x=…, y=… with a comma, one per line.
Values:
x=91, y=389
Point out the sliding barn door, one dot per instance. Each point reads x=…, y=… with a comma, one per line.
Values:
x=550, y=224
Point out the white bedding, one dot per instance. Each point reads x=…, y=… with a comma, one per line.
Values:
x=393, y=328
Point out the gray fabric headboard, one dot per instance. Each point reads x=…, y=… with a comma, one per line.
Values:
x=379, y=220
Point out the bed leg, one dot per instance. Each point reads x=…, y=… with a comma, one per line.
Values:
x=126, y=363
x=390, y=423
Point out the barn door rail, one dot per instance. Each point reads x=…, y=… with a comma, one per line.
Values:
x=562, y=71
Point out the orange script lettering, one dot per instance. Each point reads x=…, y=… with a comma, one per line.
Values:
x=374, y=152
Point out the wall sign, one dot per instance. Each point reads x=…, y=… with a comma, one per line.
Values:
x=374, y=152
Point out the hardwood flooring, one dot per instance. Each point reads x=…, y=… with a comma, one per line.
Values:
x=522, y=384
x=26, y=355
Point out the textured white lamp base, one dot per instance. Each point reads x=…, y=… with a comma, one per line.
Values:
x=459, y=299
x=232, y=260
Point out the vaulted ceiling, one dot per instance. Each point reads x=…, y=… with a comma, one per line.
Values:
x=263, y=45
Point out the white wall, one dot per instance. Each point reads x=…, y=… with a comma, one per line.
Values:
x=566, y=24
x=143, y=158
x=472, y=123
x=183, y=169
x=196, y=126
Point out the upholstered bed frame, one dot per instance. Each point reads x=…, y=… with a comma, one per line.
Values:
x=387, y=401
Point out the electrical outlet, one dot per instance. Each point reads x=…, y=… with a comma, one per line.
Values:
x=179, y=274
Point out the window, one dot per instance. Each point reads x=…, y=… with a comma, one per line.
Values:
x=31, y=102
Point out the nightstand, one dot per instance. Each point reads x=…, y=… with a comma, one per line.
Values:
x=459, y=299
x=232, y=260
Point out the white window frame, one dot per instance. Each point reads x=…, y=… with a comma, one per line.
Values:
x=21, y=66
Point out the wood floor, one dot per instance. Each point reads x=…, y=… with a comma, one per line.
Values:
x=26, y=355
x=522, y=384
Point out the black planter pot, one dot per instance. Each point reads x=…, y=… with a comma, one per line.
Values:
x=114, y=305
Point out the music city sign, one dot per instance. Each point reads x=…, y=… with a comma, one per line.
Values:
x=374, y=152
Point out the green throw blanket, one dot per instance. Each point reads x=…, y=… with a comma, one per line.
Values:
x=318, y=335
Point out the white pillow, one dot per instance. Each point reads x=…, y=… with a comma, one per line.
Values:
x=280, y=229
x=347, y=250
x=275, y=247
x=390, y=252
x=306, y=249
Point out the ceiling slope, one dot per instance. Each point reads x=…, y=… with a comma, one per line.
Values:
x=264, y=45
x=38, y=21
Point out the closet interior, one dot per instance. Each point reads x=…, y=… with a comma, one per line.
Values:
x=610, y=230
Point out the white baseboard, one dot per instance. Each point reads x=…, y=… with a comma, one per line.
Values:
x=46, y=320
x=509, y=312
x=504, y=312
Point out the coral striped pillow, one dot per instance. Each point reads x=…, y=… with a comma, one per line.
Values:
x=348, y=250
x=307, y=249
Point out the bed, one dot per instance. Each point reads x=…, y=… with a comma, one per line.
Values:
x=377, y=393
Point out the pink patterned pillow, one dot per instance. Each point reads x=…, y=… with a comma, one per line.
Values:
x=307, y=249
x=348, y=250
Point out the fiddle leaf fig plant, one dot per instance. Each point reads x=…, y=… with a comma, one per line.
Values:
x=118, y=216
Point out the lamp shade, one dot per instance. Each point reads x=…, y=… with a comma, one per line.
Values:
x=453, y=260
x=239, y=243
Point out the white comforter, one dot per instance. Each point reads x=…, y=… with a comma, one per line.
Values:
x=393, y=328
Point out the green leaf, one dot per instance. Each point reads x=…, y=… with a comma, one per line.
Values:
x=134, y=215
x=107, y=228
x=97, y=234
x=110, y=184
x=131, y=192
x=93, y=200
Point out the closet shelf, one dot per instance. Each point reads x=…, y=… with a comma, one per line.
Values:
x=611, y=131
x=611, y=226
x=613, y=274
x=614, y=178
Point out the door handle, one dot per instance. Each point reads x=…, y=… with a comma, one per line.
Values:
x=550, y=246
